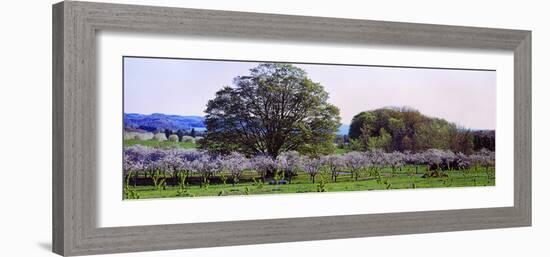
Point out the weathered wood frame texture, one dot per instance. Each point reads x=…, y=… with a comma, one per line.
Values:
x=74, y=126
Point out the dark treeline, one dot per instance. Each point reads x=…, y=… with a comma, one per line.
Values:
x=484, y=139
x=405, y=129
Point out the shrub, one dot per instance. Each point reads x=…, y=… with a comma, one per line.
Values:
x=173, y=138
x=159, y=137
x=143, y=136
x=129, y=135
x=187, y=139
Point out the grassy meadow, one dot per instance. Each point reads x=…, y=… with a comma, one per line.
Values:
x=160, y=144
x=302, y=184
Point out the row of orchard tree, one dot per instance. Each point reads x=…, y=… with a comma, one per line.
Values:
x=159, y=164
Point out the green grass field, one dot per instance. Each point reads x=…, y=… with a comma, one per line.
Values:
x=159, y=144
x=403, y=179
x=341, y=151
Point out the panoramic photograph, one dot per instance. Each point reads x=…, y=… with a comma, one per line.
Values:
x=211, y=128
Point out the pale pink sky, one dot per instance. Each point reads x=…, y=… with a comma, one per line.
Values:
x=183, y=87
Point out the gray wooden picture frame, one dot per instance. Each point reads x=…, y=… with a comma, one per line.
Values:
x=75, y=25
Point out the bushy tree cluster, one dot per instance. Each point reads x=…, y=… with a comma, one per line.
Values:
x=406, y=129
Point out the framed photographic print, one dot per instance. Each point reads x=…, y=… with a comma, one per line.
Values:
x=244, y=128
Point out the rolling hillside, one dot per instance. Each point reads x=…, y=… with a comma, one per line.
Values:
x=159, y=121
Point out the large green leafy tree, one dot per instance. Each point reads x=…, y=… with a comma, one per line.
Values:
x=276, y=108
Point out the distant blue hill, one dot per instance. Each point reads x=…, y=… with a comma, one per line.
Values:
x=343, y=129
x=159, y=121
